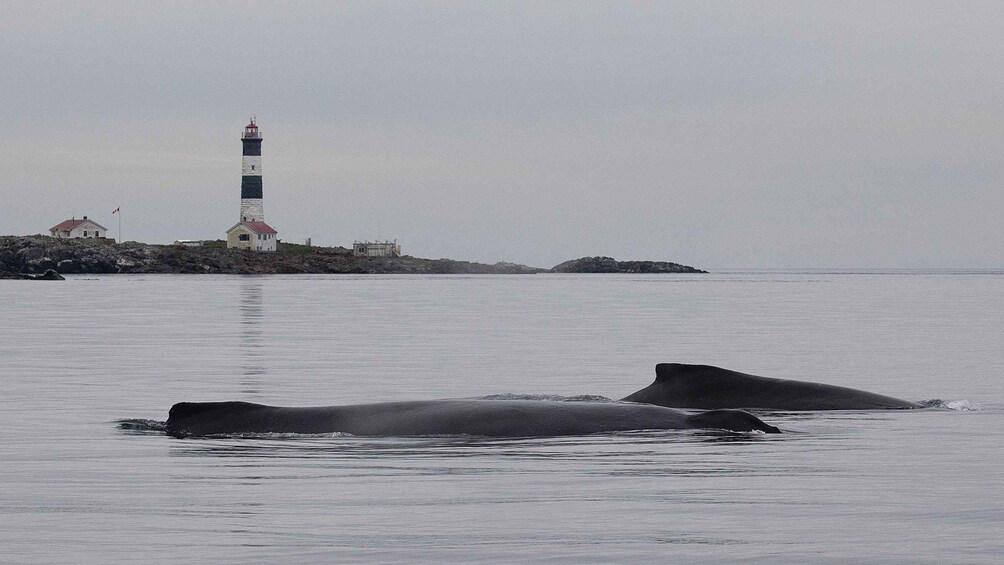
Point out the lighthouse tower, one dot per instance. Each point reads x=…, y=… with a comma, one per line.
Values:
x=252, y=208
x=251, y=232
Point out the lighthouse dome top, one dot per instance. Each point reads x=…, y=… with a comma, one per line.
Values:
x=251, y=130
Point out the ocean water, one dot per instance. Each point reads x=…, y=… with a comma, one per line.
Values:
x=77, y=358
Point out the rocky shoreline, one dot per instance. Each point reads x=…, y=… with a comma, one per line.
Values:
x=24, y=256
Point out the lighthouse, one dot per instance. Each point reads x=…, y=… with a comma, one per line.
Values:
x=252, y=209
x=251, y=232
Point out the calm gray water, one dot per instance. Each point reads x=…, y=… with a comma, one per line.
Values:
x=919, y=486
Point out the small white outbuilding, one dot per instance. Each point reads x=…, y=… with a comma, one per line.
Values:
x=376, y=249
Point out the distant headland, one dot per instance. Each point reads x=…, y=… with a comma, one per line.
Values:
x=22, y=256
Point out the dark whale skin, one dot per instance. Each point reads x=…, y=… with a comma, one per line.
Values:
x=706, y=387
x=491, y=418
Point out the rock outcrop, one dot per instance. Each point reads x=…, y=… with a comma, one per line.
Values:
x=611, y=265
x=48, y=275
x=37, y=254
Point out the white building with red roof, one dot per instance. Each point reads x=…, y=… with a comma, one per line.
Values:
x=256, y=236
x=74, y=228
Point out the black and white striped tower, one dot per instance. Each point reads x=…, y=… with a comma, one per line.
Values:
x=252, y=208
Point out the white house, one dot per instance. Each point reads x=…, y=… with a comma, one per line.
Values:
x=74, y=228
x=376, y=249
x=256, y=236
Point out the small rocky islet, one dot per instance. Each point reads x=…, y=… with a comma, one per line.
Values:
x=611, y=265
x=24, y=257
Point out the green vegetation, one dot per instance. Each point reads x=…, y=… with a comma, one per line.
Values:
x=284, y=247
x=300, y=249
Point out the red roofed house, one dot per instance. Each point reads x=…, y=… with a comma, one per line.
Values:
x=74, y=228
x=257, y=236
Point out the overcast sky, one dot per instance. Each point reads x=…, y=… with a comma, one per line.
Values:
x=720, y=134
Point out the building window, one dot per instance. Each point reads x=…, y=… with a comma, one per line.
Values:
x=243, y=237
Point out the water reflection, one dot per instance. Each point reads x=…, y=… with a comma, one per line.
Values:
x=593, y=446
x=252, y=336
x=671, y=453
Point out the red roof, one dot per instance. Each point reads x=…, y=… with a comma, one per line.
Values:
x=67, y=225
x=258, y=227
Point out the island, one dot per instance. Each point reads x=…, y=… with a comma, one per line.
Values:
x=27, y=256
x=611, y=265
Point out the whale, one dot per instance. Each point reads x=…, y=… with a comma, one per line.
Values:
x=475, y=417
x=678, y=385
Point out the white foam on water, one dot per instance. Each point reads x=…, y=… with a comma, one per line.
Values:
x=964, y=405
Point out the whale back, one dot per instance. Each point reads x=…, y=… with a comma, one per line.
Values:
x=679, y=385
x=492, y=418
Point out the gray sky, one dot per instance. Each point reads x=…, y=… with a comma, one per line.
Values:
x=723, y=134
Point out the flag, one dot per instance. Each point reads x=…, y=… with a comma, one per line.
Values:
x=117, y=209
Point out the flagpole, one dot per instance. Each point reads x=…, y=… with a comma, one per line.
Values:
x=118, y=210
